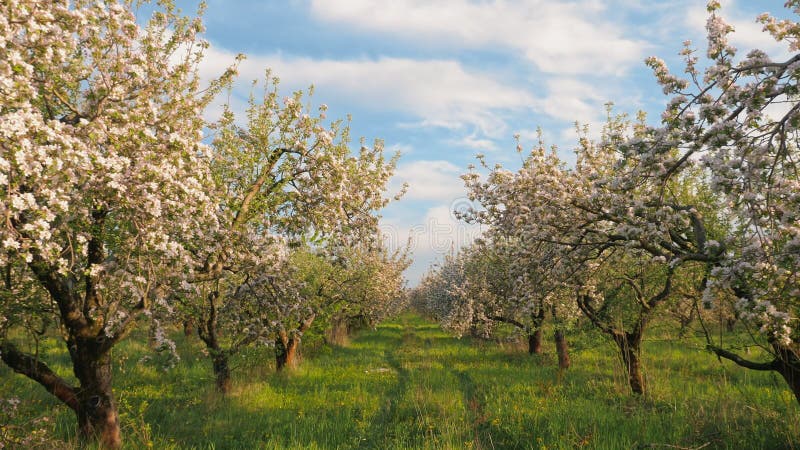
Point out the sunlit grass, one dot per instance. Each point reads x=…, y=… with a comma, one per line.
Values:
x=410, y=385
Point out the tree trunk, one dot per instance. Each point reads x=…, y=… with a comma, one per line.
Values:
x=685, y=321
x=730, y=324
x=630, y=349
x=535, y=342
x=207, y=332
x=286, y=352
x=792, y=377
x=92, y=402
x=188, y=327
x=222, y=372
x=33, y=368
x=788, y=365
x=562, y=349
x=338, y=333
x=96, y=409
x=291, y=352
x=535, y=339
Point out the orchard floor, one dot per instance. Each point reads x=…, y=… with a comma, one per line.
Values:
x=408, y=384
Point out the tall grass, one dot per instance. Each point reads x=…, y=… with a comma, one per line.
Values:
x=410, y=385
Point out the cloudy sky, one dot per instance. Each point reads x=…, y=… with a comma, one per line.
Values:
x=444, y=80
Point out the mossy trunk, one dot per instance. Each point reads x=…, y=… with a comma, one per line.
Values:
x=629, y=345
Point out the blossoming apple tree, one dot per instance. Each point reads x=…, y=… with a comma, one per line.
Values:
x=103, y=181
x=533, y=286
x=284, y=180
x=709, y=195
x=359, y=282
x=737, y=122
x=570, y=245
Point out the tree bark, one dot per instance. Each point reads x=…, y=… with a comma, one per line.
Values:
x=93, y=401
x=535, y=338
x=88, y=345
x=287, y=344
x=222, y=372
x=33, y=368
x=630, y=343
x=535, y=342
x=286, y=351
x=98, y=419
x=630, y=349
x=219, y=357
x=562, y=349
x=207, y=332
x=788, y=365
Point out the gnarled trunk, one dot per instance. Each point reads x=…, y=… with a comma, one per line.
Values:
x=93, y=401
x=96, y=408
x=535, y=337
x=788, y=365
x=562, y=349
x=287, y=344
x=630, y=349
x=286, y=351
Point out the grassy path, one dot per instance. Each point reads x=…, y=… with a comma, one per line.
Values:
x=410, y=385
x=431, y=404
x=405, y=385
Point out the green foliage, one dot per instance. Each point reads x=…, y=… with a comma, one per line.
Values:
x=408, y=384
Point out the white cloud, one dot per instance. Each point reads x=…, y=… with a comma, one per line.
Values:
x=474, y=142
x=443, y=231
x=403, y=149
x=557, y=37
x=431, y=233
x=573, y=100
x=439, y=93
x=436, y=180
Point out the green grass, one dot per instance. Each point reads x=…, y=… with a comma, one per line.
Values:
x=410, y=385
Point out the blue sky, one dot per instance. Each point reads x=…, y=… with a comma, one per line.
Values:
x=443, y=80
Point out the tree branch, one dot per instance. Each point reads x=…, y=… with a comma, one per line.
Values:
x=516, y=323
x=33, y=368
x=722, y=353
